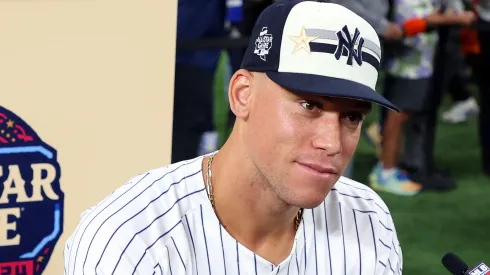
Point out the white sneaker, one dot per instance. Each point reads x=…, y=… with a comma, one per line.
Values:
x=461, y=111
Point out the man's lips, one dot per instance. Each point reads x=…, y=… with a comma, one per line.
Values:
x=320, y=168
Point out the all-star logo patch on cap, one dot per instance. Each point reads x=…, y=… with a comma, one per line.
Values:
x=317, y=48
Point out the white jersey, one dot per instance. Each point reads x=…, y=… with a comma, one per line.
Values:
x=162, y=222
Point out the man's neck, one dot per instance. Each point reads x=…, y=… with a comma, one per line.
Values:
x=247, y=208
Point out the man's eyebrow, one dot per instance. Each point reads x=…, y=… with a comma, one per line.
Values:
x=364, y=105
x=359, y=104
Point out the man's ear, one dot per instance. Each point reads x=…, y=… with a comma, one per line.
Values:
x=240, y=93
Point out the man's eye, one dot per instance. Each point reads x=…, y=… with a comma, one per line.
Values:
x=309, y=105
x=354, y=117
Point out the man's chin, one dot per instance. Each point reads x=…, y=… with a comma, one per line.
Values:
x=310, y=200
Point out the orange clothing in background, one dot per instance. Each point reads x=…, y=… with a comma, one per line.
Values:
x=469, y=42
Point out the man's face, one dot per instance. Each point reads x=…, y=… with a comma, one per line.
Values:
x=301, y=143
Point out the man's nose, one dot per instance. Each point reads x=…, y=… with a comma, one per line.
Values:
x=328, y=134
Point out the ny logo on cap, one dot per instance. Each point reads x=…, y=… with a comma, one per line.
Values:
x=348, y=43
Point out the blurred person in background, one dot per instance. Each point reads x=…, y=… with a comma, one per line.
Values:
x=482, y=9
x=446, y=66
x=407, y=82
x=464, y=104
x=194, y=76
x=450, y=75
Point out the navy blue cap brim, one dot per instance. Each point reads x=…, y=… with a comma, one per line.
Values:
x=329, y=86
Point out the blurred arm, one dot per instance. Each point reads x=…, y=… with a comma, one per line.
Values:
x=376, y=19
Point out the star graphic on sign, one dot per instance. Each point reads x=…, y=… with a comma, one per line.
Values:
x=10, y=124
x=302, y=41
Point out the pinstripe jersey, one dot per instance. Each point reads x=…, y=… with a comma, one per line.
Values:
x=161, y=222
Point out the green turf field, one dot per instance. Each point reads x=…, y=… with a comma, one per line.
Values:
x=432, y=223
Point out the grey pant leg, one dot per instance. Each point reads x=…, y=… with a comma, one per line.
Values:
x=415, y=130
x=420, y=129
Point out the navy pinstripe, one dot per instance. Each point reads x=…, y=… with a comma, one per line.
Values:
x=387, y=246
x=389, y=263
x=328, y=239
x=237, y=258
x=297, y=264
x=159, y=267
x=169, y=262
x=366, y=211
x=304, y=236
x=178, y=252
x=192, y=241
x=223, y=247
x=394, y=247
x=146, y=250
x=386, y=212
x=374, y=240
x=389, y=229
x=314, y=237
x=205, y=240
x=359, y=242
x=343, y=238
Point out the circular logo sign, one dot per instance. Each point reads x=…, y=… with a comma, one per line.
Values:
x=31, y=200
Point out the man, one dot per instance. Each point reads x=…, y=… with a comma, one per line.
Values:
x=271, y=200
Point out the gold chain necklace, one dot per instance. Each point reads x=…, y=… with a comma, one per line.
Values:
x=209, y=187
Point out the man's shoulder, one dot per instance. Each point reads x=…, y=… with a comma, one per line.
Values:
x=148, y=204
x=350, y=201
x=171, y=181
x=358, y=197
x=174, y=180
x=355, y=210
x=171, y=172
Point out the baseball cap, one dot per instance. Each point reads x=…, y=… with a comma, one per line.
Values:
x=317, y=48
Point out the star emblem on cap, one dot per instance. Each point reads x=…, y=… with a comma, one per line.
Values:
x=302, y=41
